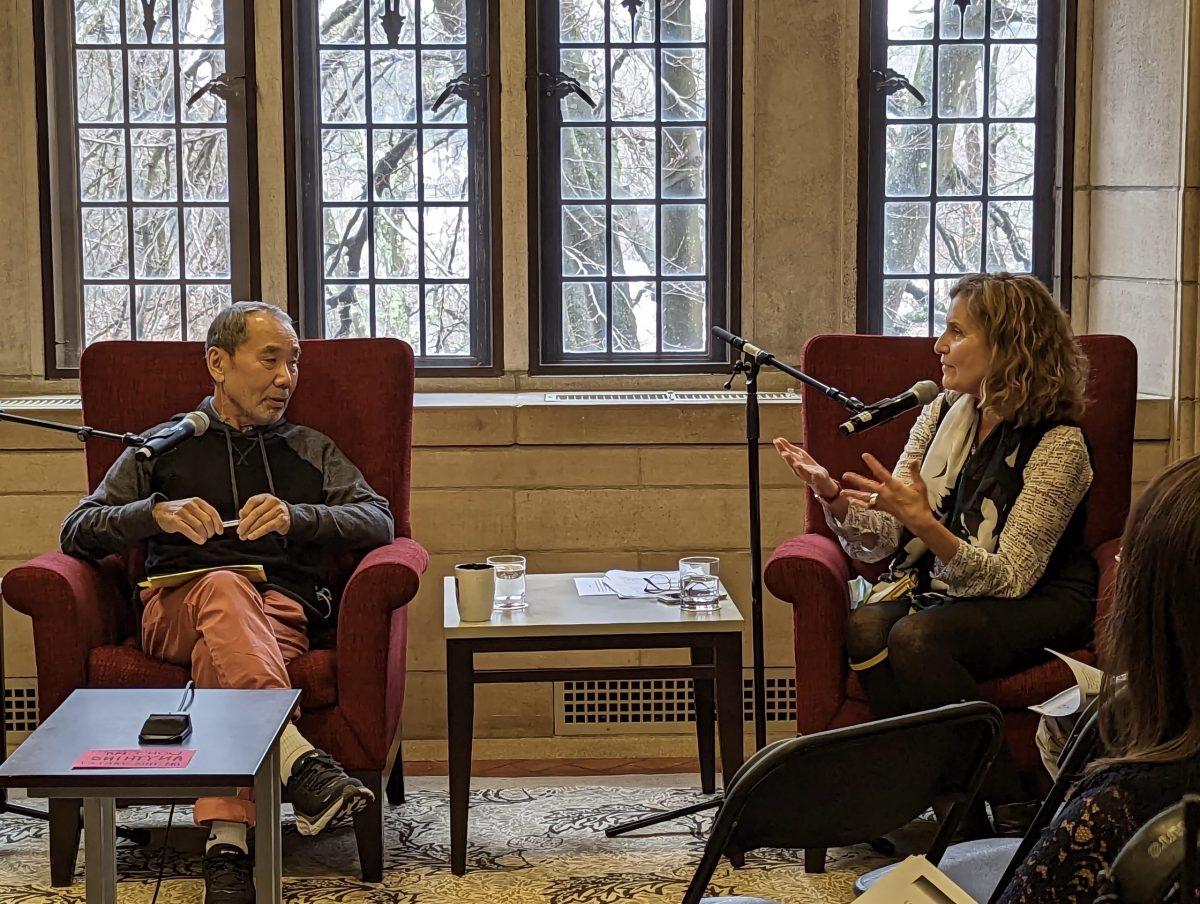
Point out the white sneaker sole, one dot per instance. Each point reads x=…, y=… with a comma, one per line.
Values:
x=353, y=800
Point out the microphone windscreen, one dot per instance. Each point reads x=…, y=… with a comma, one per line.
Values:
x=199, y=420
x=926, y=391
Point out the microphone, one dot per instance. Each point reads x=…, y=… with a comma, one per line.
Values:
x=190, y=425
x=889, y=409
x=736, y=341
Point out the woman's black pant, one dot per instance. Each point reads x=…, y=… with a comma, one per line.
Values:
x=938, y=655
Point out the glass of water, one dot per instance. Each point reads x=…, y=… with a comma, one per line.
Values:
x=699, y=583
x=510, y=582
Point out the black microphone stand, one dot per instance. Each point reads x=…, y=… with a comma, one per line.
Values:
x=84, y=433
x=751, y=361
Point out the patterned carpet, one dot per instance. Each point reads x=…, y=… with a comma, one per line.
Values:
x=542, y=844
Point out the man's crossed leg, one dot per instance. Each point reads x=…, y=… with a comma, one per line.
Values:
x=232, y=636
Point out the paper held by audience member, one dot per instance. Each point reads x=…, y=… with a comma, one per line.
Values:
x=915, y=881
x=1068, y=702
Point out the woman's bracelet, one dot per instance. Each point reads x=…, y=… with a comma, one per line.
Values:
x=827, y=499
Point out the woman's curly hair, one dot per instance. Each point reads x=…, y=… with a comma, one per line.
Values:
x=1038, y=371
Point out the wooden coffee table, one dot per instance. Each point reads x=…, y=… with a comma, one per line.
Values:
x=235, y=734
x=557, y=618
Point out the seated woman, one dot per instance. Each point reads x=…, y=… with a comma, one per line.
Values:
x=984, y=513
x=1151, y=731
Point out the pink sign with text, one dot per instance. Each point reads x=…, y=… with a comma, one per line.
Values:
x=142, y=758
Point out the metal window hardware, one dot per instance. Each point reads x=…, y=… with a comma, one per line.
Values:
x=392, y=21
x=464, y=86
x=223, y=86
x=889, y=81
x=633, y=6
x=562, y=84
x=148, y=21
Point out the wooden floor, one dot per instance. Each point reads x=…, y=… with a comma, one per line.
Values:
x=575, y=767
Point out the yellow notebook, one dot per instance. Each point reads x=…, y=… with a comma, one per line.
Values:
x=255, y=573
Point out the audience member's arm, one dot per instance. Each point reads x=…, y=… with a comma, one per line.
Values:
x=353, y=515
x=118, y=514
x=1056, y=479
x=869, y=535
x=1066, y=862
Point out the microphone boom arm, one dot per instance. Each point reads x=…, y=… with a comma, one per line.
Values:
x=83, y=433
x=849, y=402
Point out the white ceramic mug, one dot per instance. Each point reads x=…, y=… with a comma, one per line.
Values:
x=473, y=589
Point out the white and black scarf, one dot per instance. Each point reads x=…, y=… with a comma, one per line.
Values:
x=970, y=491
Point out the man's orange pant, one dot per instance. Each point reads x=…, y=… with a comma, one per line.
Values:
x=230, y=636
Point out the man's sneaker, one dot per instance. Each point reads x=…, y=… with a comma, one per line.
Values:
x=228, y=875
x=321, y=791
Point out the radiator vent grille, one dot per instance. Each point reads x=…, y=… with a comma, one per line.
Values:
x=655, y=705
x=20, y=709
x=684, y=396
x=66, y=403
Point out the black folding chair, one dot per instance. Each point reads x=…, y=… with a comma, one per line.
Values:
x=984, y=867
x=1158, y=865
x=849, y=785
x=1080, y=748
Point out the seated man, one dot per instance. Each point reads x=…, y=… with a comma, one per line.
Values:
x=295, y=498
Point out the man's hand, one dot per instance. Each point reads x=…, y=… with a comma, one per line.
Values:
x=263, y=514
x=194, y=518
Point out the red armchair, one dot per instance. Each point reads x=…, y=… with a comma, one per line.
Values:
x=811, y=571
x=357, y=391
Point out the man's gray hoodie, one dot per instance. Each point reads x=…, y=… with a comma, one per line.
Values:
x=333, y=508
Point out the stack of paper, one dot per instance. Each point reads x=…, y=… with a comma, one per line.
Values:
x=629, y=585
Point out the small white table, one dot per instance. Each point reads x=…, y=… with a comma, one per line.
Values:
x=235, y=734
x=557, y=618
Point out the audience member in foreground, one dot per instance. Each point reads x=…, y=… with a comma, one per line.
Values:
x=1151, y=730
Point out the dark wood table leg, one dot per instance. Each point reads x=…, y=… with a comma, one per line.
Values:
x=704, y=691
x=460, y=721
x=728, y=650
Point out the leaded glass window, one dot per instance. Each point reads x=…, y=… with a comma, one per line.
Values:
x=147, y=144
x=632, y=112
x=963, y=124
x=395, y=101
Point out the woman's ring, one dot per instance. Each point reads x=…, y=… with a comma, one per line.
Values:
x=872, y=499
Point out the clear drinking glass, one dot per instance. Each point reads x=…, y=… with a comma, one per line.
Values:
x=699, y=583
x=510, y=582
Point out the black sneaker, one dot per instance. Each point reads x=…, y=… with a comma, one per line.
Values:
x=228, y=875
x=321, y=791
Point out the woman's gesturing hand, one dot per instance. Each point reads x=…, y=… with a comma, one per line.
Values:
x=909, y=502
x=807, y=468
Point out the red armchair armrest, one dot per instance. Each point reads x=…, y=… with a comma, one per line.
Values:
x=811, y=572
x=75, y=606
x=371, y=635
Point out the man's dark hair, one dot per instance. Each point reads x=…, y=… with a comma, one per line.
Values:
x=228, y=329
